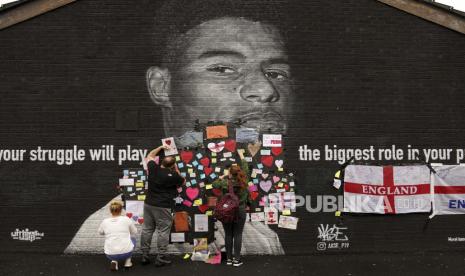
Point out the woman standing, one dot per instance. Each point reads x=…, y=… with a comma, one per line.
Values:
x=118, y=241
x=237, y=177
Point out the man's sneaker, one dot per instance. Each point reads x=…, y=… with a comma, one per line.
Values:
x=145, y=260
x=114, y=266
x=127, y=263
x=229, y=262
x=163, y=259
x=237, y=263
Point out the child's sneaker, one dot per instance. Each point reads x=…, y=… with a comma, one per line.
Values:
x=229, y=262
x=237, y=262
x=114, y=266
x=127, y=263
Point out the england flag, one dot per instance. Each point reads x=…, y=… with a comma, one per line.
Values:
x=449, y=190
x=387, y=189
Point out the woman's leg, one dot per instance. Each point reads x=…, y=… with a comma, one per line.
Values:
x=238, y=228
x=228, y=239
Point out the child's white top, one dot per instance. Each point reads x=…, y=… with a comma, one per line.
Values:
x=117, y=231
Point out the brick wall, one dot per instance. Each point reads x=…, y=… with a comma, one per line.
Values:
x=368, y=75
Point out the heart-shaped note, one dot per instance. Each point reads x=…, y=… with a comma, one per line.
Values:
x=205, y=161
x=129, y=214
x=186, y=156
x=179, y=189
x=276, y=178
x=276, y=151
x=279, y=163
x=216, y=147
x=265, y=185
x=267, y=160
x=254, y=148
x=140, y=220
x=168, y=142
x=265, y=175
x=253, y=188
x=208, y=170
x=192, y=193
x=187, y=203
x=253, y=195
x=203, y=208
x=135, y=218
x=230, y=145
x=217, y=192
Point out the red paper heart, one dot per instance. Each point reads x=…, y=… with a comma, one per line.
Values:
x=203, y=208
x=186, y=156
x=267, y=160
x=230, y=145
x=168, y=142
x=217, y=192
x=205, y=161
x=286, y=187
x=129, y=215
x=192, y=193
x=253, y=195
x=276, y=151
x=140, y=220
x=208, y=170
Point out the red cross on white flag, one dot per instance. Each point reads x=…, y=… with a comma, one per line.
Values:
x=387, y=189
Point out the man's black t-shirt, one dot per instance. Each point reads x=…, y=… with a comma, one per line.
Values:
x=163, y=184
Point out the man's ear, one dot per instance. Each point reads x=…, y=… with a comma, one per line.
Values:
x=158, y=84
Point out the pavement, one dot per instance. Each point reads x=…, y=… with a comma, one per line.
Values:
x=430, y=263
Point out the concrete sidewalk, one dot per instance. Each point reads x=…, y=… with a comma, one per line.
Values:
x=451, y=263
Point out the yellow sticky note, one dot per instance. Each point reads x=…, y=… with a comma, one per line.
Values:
x=178, y=158
x=337, y=213
x=198, y=202
x=280, y=185
x=190, y=171
x=141, y=197
x=280, y=169
x=250, y=183
x=209, y=213
x=213, y=160
x=241, y=153
x=187, y=256
x=286, y=212
x=338, y=174
x=139, y=184
x=226, y=172
x=209, y=187
x=213, y=153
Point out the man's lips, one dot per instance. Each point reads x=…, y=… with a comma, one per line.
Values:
x=264, y=122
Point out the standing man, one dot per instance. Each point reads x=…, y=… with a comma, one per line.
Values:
x=163, y=183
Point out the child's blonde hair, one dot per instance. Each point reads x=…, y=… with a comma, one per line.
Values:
x=115, y=207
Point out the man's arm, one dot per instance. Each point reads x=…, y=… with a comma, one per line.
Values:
x=155, y=152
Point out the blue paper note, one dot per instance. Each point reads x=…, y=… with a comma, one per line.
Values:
x=195, y=163
x=202, y=176
x=200, y=168
x=193, y=181
x=180, y=165
x=260, y=165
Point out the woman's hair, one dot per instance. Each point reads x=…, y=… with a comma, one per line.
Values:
x=115, y=207
x=238, y=175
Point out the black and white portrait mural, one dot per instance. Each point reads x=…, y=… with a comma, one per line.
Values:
x=325, y=102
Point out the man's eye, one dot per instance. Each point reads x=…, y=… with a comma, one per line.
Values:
x=275, y=75
x=221, y=69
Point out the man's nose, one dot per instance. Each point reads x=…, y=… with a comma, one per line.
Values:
x=258, y=88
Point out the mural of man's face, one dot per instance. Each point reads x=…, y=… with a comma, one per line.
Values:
x=227, y=69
